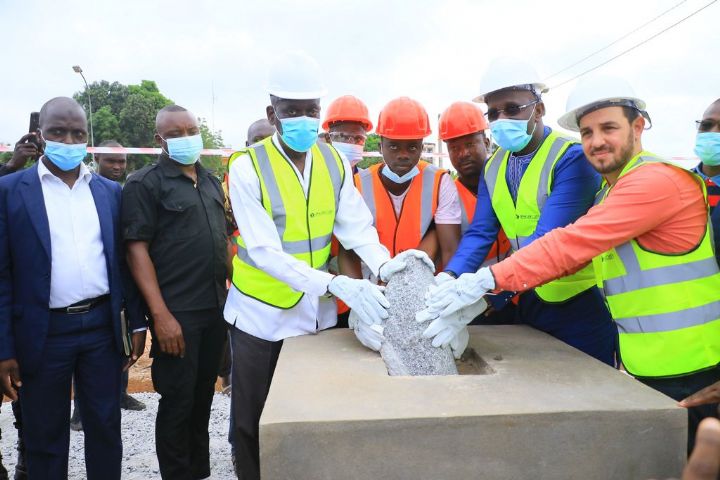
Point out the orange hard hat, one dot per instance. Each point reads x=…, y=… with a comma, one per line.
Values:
x=403, y=119
x=461, y=118
x=347, y=109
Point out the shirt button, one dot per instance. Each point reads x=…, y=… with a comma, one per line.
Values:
x=524, y=285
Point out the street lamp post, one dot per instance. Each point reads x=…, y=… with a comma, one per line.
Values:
x=77, y=69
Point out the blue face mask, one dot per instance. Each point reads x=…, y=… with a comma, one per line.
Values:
x=394, y=177
x=65, y=156
x=707, y=147
x=299, y=133
x=351, y=151
x=185, y=150
x=512, y=134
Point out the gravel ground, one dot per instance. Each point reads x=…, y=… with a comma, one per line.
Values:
x=138, y=430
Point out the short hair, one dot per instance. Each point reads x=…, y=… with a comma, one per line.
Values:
x=630, y=113
x=110, y=143
x=49, y=103
x=168, y=109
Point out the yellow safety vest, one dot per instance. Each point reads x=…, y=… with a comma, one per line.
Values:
x=304, y=224
x=519, y=219
x=666, y=306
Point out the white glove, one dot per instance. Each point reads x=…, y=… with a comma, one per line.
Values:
x=429, y=313
x=452, y=329
x=363, y=297
x=399, y=262
x=369, y=335
x=450, y=297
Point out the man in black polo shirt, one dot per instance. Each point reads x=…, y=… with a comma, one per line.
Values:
x=174, y=228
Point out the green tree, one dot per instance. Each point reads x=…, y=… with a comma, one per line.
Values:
x=211, y=140
x=105, y=125
x=372, y=143
x=125, y=113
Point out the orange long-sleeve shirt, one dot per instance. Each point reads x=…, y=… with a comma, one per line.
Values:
x=660, y=206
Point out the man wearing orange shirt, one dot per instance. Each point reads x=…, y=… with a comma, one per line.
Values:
x=462, y=127
x=649, y=241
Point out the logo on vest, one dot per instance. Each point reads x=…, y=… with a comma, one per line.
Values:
x=322, y=213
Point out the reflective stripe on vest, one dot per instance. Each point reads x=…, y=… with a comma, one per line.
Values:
x=519, y=218
x=501, y=248
x=404, y=231
x=468, y=201
x=666, y=307
x=304, y=224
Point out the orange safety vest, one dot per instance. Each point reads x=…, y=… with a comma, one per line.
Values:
x=404, y=231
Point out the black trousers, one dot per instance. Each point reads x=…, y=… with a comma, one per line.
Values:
x=678, y=388
x=253, y=365
x=186, y=387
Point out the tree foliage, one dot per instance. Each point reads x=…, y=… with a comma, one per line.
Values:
x=372, y=143
x=126, y=113
x=211, y=140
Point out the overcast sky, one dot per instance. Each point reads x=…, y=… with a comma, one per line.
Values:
x=433, y=51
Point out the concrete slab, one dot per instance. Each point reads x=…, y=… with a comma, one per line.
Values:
x=545, y=411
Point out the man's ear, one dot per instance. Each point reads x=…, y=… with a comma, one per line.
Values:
x=540, y=110
x=638, y=126
x=272, y=118
x=158, y=139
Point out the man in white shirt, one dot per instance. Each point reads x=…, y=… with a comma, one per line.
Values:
x=60, y=299
x=289, y=194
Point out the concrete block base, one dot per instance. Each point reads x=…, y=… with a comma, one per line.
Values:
x=539, y=409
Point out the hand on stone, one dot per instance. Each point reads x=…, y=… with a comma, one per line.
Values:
x=399, y=262
x=450, y=297
x=369, y=335
x=428, y=313
x=363, y=297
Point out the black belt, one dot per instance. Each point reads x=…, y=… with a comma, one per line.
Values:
x=83, y=306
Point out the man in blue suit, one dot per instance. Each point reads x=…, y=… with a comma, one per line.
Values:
x=60, y=299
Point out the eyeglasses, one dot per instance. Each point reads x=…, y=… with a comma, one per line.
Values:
x=345, y=138
x=707, y=125
x=511, y=111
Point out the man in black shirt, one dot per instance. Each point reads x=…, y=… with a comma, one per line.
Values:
x=174, y=228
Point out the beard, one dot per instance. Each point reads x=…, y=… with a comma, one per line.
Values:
x=619, y=159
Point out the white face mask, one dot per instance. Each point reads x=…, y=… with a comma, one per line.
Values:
x=394, y=177
x=352, y=151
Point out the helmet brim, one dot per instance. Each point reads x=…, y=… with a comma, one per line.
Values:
x=569, y=120
x=540, y=88
x=309, y=95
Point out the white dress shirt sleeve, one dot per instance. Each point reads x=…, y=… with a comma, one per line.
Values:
x=354, y=225
x=260, y=235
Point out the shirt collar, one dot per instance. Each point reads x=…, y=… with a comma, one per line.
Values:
x=171, y=168
x=85, y=174
x=698, y=170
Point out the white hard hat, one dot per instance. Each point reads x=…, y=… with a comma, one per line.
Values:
x=595, y=92
x=296, y=75
x=508, y=72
